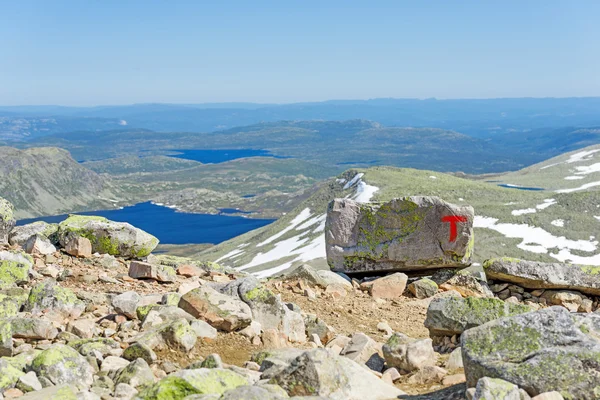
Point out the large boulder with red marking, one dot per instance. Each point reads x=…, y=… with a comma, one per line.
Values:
x=404, y=234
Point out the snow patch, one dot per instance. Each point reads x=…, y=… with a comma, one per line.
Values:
x=588, y=169
x=231, y=254
x=573, y=178
x=524, y=211
x=558, y=222
x=311, y=222
x=433, y=177
x=353, y=180
x=461, y=199
x=303, y=216
x=582, y=187
x=577, y=157
x=364, y=192
x=538, y=240
x=547, y=203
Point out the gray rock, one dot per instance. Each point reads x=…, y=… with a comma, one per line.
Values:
x=125, y=391
x=32, y=328
x=408, y=354
x=449, y=315
x=39, y=244
x=333, y=278
x=140, y=350
x=160, y=273
x=212, y=361
x=114, y=238
x=224, y=312
x=112, y=363
x=59, y=392
x=14, y=268
x=467, y=285
x=7, y=220
x=126, y=303
x=29, y=382
x=253, y=393
x=364, y=350
x=496, y=389
x=194, y=381
x=176, y=334
x=49, y=295
x=20, y=234
x=6, y=341
x=423, y=288
x=540, y=275
x=546, y=350
x=404, y=234
x=203, y=329
x=9, y=375
x=135, y=374
x=161, y=314
x=455, y=361
x=319, y=373
x=62, y=364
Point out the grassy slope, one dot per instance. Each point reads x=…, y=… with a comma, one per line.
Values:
x=47, y=181
x=488, y=199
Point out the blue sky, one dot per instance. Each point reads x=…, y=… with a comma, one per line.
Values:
x=120, y=52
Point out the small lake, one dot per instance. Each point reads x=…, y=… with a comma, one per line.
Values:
x=219, y=156
x=172, y=227
x=508, y=185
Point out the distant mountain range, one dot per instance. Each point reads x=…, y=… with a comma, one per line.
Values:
x=482, y=118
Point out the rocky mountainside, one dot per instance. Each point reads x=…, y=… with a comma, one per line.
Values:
x=88, y=312
x=556, y=223
x=47, y=181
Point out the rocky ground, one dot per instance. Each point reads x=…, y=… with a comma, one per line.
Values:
x=88, y=312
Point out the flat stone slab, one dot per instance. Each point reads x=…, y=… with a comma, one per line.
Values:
x=540, y=275
x=404, y=234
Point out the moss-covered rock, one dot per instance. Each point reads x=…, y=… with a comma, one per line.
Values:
x=62, y=364
x=14, y=268
x=49, y=295
x=108, y=237
x=85, y=347
x=404, y=234
x=136, y=373
x=452, y=315
x=541, y=351
x=7, y=219
x=8, y=375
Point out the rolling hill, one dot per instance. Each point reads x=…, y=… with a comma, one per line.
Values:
x=47, y=181
x=558, y=223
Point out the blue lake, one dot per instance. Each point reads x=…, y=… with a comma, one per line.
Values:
x=519, y=187
x=172, y=227
x=219, y=156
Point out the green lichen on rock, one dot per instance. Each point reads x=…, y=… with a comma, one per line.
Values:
x=8, y=306
x=259, y=293
x=169, y=388
x=6, y=210
x=142, y=311
x=14, y=268
x=48, y=294
x=8, y=375
x=108, y=237
x=515, y=346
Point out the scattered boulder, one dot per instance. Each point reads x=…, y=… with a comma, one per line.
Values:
x=32, y=328
x=404, y=234
x=389, y=287
x=423, y=288
x=61, y=364
x=408, y=354
x=319, y=373
x=39, y=244
x=114, y=238
x=496, y=389
x=9, y=375
x=221, y=311
x=176, y=334
x=49, y=295
x=59, y=392
x=135, y=374
x=467, y=285
x=126, y=303
x=7, y=220
x=78, y=246
x=450, y=315
x=569, y=299
x=160, y=273
x=540, y=275
x=20, y=234
x=455, y=360
x=364, y=350
x=546, y=350
x=14, y=268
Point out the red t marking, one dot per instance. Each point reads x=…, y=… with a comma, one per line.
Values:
x=454, y=219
